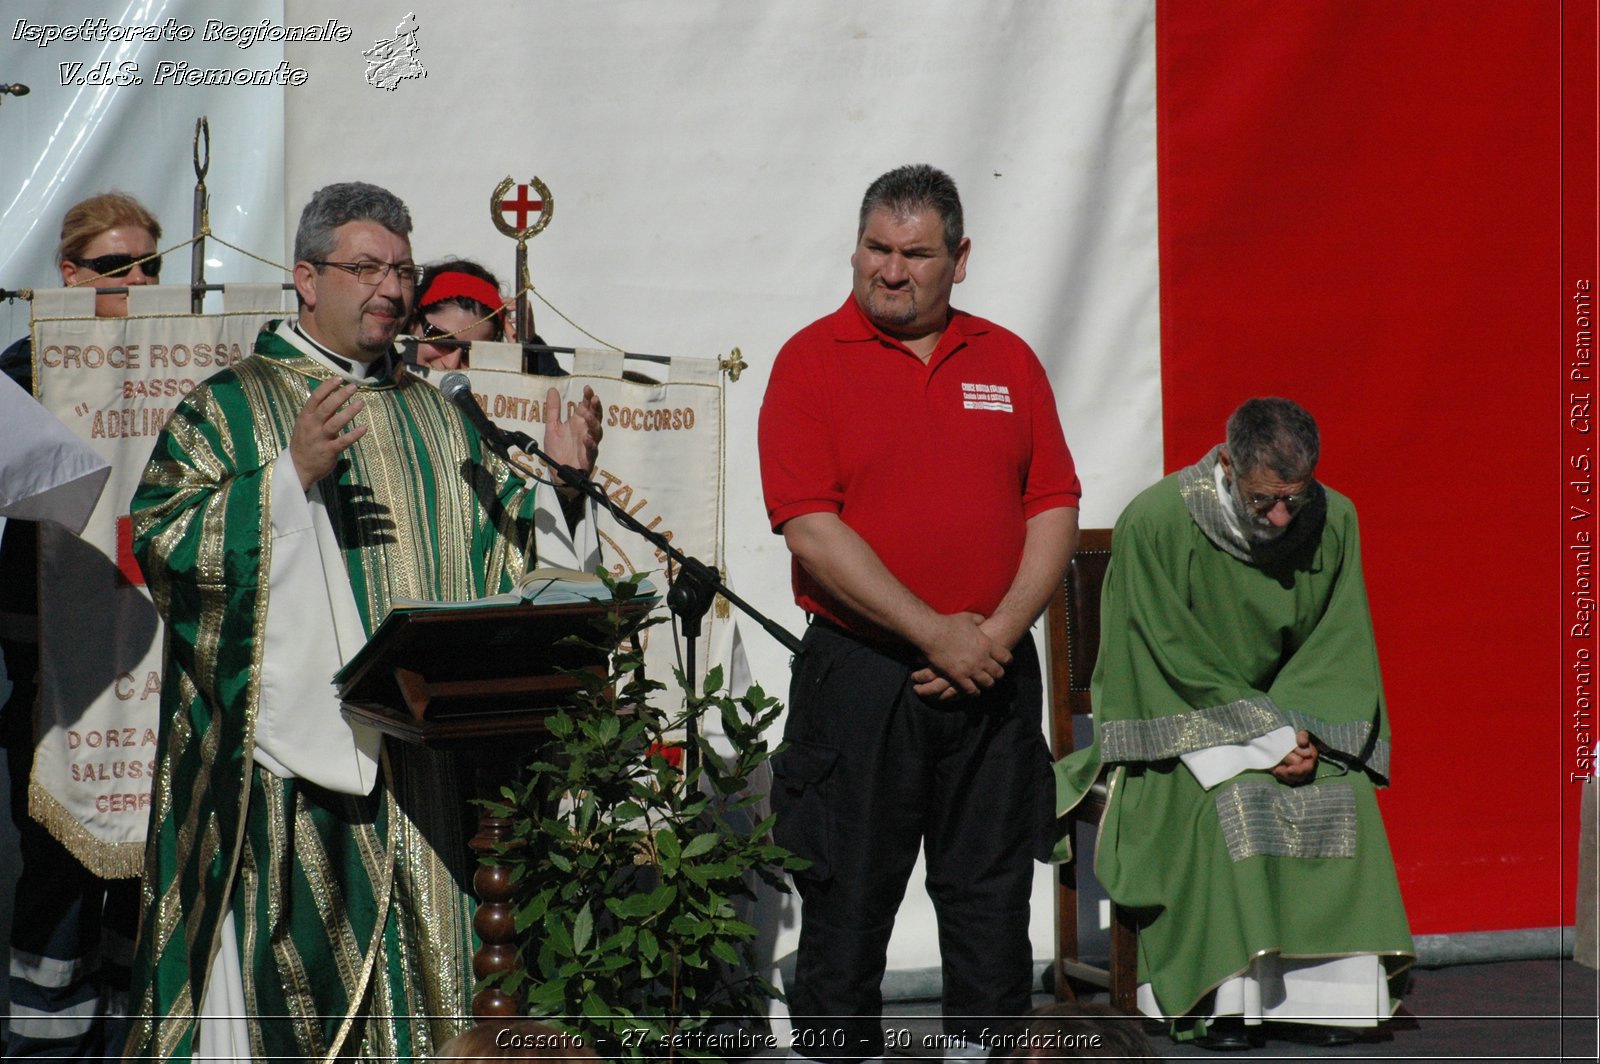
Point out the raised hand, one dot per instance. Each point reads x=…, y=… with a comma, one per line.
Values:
x=574, y=440
x=319, y=435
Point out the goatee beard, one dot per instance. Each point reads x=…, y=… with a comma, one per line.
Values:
x=898, y=316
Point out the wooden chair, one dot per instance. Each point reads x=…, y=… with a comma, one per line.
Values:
x=1074, y=640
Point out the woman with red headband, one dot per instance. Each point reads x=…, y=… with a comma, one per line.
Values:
x=458, y=300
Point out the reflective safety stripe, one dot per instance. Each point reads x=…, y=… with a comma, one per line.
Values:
x=73, y=1021
x=50, y=972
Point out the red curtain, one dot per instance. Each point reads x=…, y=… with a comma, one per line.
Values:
x=1361, y=209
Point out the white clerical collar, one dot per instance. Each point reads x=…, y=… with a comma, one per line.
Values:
x=362, y=372
x=1230, y=512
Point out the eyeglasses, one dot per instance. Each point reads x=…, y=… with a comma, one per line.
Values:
x=111, y=265
x=372, y=272
x=1263, y=504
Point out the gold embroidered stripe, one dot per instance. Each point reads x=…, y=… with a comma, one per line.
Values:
x=1264, y=817
x=1184, y=733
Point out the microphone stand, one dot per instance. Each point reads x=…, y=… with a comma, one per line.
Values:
x=689, y=596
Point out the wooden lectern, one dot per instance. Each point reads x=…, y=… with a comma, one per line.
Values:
x=481, y=679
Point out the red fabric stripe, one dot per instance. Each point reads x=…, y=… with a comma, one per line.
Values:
x=128, y=571
x=1576, y=392
x=1360, y=209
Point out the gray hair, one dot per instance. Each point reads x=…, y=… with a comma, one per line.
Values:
x=1278, y=433
x=912, y=189
x=334, y=205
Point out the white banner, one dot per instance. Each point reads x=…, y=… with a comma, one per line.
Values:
x=661, y=461
x=113, y=382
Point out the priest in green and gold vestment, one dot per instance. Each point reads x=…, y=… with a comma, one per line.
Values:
x=1240, y=715
x=306, y=890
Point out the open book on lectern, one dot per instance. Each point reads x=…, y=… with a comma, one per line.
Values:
x=546, y=586
x=560, y=590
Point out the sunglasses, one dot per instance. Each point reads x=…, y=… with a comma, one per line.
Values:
x=112, y=265
x=432, y=334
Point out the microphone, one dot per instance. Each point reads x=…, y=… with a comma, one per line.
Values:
x=16, y=89
x=457, y=388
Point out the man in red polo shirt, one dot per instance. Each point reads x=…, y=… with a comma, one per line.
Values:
x=913, y=461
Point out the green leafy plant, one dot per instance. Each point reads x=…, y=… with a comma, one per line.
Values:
x=635, y=868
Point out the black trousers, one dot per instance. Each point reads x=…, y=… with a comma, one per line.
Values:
x=871, y=773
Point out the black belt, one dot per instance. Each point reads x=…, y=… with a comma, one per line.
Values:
x=898, y=649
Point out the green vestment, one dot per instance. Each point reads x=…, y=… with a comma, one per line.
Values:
x=1204, y=645
x=353, y=913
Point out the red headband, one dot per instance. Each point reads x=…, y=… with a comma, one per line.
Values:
x=452, y=283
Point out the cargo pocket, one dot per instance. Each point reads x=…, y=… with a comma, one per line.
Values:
x=800, y=800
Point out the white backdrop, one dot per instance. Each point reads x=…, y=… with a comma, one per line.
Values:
x=707, y=161
x=61, y=143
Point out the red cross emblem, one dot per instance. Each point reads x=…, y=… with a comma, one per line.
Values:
x=521, y=206
x=524, y=214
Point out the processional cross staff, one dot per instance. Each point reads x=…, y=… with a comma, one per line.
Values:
x=494, y=921
x=521, y=206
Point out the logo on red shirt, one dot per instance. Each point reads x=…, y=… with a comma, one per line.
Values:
x=986, y=397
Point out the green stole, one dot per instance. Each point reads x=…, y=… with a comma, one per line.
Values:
x=353, y=912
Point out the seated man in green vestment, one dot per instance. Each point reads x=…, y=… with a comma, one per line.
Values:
x=1240, y=714
x=305, y=890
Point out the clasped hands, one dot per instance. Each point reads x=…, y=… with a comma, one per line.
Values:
x=319, y=436
x=1299, y=764
x=964, y=657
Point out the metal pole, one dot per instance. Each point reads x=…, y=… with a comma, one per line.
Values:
x=202, y=223
x=524, y=302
